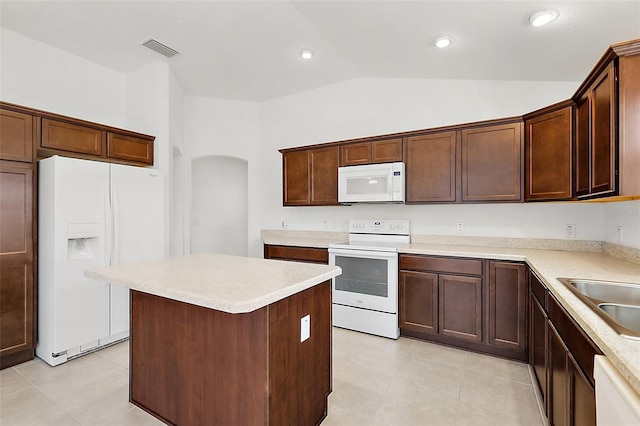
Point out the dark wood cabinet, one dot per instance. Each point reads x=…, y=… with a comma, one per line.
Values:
x=129, y=148
x=491, y=168
x=431, y=167
x=629, y=123
x=16, y=136
x=474, y=304
x=562, y=357
x=295, y=178
x=297, y=254
x=548, y=153
x=418, y=301
x=373, y=152
x=538, y=337
x=323, y=178
x=310, y=177
x=17, y=260
x=595, y=136
x=460, y=307
x=63, y=136
x=507, y=304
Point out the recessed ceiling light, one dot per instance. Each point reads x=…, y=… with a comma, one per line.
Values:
x=443, y=41
x=543, y=17
x=306, y=54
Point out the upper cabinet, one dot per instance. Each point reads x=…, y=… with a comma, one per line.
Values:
x=30, y=134
x=548, y=153
x=310, y=177
x=607, y=125
x=16, y=136
x=431, y=167
x=373, y=152
x=491, y=168
x=596, y=136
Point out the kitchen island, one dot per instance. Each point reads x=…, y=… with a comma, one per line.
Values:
x=228, y=340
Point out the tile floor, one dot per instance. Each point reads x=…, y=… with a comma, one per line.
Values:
x=376, y=381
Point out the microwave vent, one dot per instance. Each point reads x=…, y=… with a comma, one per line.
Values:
x=156, y=46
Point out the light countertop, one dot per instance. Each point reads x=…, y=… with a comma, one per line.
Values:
x=230, y=284
x=549, y=265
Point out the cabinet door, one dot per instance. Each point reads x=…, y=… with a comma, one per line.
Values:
x=460, y=307
x=418, y=301
x=603, y=138
x=16, y=136
x=558, y=379
x=386, y=151
x=548, y=157
x=538, y=346
x=129, y=148
x=63, y=136
x=583, y=150
x=355, y=154
x=16, y=259
x=324, y=176
x=492, y=163
x=295, y=179
x=582, y=397
x=507, y=306
x=431, y=168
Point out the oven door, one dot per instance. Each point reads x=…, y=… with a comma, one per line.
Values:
x=369, y=279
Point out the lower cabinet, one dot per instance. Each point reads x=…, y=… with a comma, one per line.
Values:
x=17, y=260
x=297, y=254
x=562, y=359
x=470, y=303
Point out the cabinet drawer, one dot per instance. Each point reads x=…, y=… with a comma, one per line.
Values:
x=70, y=137
x=539, y=290
x=129, y=148
x=441, y=264
x=579, y=344
x=301, y=254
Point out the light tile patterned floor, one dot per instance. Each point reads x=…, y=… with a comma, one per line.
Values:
x=376, y=381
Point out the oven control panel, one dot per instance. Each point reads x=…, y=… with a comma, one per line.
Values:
x=379, y=226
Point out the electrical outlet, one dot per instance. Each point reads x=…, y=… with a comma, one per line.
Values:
x=285, y=224
x=460, y=228
x=305, y=328
x=619, y=234
x=570, y=231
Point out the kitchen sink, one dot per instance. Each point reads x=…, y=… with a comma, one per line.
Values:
x=617, y=303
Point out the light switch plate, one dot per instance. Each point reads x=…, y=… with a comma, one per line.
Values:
x=305, y=328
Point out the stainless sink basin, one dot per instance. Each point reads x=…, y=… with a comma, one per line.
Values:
x=618, y=304
x=626, y=315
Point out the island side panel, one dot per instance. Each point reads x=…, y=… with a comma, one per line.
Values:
x=192, y=365
x=300, y=372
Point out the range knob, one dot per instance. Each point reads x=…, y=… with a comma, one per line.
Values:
x=354, y=226
x=393, y=226
x=400, y=226
x=361, y=226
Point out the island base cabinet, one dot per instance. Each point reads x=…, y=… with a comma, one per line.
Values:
x=192, y=365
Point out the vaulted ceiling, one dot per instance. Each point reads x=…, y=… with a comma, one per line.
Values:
x=249, y=50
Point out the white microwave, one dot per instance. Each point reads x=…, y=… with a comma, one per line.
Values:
x=372, y=183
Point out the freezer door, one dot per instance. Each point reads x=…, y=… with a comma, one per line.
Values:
x=73, y=310
x=137, y=196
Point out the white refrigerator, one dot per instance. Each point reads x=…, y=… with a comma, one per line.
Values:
x=91, y=214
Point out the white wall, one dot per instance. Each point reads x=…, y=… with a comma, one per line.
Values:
x=231, y=128
x=176, y=172
x=39, y=76
x=626, y=216
x=369, y=107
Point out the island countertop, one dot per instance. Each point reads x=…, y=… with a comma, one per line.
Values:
x=230, y=284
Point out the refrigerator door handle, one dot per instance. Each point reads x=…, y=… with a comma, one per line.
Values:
x=115, y=259
x=108, y=228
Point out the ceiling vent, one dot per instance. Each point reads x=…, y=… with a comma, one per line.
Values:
x=156, y=46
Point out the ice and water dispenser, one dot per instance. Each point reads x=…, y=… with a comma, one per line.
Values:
x=82, y=241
